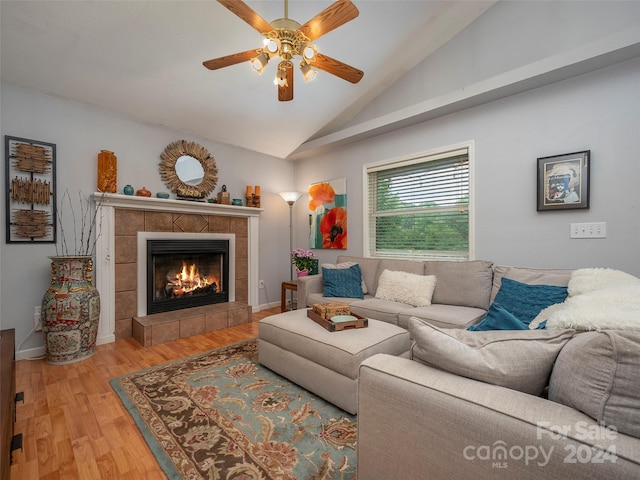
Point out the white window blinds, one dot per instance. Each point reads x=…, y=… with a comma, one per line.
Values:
x=419, y=208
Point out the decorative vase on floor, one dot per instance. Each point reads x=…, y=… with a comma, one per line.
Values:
x=70, y=310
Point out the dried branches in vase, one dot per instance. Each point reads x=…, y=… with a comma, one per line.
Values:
x=83, y=218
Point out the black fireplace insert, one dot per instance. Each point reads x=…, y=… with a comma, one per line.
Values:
x=186, y=273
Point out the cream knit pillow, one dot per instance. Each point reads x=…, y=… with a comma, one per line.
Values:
x=404, y=287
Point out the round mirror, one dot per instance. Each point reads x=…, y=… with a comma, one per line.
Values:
x=188, y=169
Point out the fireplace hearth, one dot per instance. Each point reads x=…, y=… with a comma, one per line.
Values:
x=186, y=273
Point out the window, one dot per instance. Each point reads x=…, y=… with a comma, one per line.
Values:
x=419, y=207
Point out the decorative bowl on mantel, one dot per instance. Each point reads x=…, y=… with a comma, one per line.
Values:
x=162, y=195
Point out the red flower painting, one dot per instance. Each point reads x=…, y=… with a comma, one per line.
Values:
x=328, y=214
x=334, y=228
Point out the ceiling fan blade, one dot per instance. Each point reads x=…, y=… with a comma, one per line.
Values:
x=228, y=60
x=338, y=68
x=246, y=13
x=286, y=93
x=329, y=19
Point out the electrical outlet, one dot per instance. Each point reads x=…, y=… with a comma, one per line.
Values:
x=37, y=324
x=261, y=284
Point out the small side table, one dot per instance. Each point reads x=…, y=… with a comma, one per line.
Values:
x=293, y=287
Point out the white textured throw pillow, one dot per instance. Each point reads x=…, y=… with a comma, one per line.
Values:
x=346, y=265
x=599, y=299
x=587, y=280
x=405, y=287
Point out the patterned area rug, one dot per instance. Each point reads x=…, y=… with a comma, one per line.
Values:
x=221, y=415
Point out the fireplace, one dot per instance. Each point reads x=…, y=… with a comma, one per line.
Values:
x=184, y=273
x=183, y=270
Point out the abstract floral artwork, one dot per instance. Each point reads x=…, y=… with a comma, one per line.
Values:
x=328, y=214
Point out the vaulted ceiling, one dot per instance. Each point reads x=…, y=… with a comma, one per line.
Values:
x=143, y=60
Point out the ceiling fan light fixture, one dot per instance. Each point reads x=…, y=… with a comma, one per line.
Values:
x=271, y=46
x=288, y=39
x=281, y=77
x=309, y=53
x=258, y=63
x=307, y=72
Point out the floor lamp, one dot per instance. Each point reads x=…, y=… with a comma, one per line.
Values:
x=290, y=198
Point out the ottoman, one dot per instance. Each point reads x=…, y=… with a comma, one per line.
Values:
x=325, y=363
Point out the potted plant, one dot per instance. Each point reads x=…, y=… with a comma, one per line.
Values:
x=305, y=261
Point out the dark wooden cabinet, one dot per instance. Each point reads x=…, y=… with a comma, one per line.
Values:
x=7, y=398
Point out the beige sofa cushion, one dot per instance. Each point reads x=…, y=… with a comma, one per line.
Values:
x=517, y=359
x=443, y=316
x=466, y=284
x=409, y=266
x=598, y=373
x=531, y=276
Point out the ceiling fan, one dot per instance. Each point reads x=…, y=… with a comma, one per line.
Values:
x=286, y=38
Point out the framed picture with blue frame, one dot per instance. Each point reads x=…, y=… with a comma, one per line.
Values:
x=563, y=181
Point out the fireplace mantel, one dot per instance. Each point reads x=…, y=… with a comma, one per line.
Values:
x=170, y=205
x=105, y=244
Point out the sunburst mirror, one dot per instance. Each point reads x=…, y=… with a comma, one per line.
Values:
x=188, y=169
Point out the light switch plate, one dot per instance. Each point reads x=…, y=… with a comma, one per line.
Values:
x=589, y=230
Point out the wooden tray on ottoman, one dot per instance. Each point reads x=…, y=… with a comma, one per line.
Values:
x=360, y=322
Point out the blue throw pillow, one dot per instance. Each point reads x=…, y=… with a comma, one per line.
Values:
x=526, y=301
x=342, y=282
x=498, y=318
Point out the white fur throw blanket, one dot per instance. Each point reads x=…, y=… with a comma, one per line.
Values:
x=599, y=298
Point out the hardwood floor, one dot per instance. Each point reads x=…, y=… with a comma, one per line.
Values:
x=73, y=424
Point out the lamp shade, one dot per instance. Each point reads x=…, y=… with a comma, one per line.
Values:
x=290, y=197
x=259, y=62
x=308, y=72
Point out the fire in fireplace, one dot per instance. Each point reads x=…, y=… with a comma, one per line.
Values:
x=187, y=281
x=186, y=273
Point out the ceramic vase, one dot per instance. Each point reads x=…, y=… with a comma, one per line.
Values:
x=70, y=310
x=107, y=171
x=302, y=273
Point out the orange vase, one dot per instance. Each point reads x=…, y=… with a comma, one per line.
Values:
x=143, y=192
x=107, y=171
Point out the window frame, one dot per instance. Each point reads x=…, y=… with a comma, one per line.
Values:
x=415, y=158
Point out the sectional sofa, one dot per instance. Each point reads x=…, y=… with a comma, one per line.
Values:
x=461, y=297
x=555, y=403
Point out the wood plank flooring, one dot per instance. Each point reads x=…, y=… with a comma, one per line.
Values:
x=72, y=422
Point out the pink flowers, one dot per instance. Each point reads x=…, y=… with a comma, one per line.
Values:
x=302, y=259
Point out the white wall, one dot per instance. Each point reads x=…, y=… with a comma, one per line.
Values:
x=80, y=132
x=599, y=111
x=508, y=36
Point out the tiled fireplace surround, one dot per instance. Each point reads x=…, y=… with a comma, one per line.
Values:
x=123, y=217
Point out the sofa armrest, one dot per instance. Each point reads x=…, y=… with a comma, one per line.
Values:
x=307, y=285
x=414, y=419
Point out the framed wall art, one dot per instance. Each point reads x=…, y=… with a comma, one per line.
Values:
x=30, y=173
x=328, y=214
x=563, y=181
